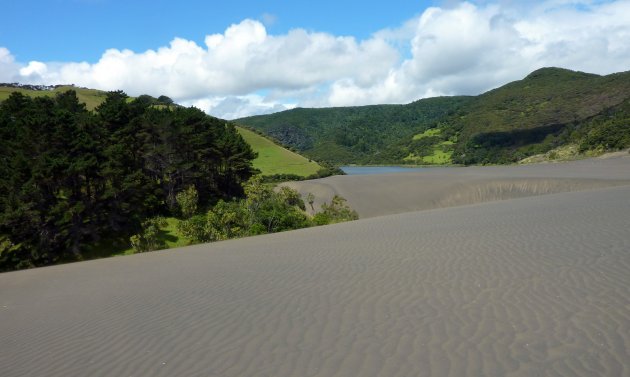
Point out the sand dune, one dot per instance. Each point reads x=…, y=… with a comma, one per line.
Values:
x=377, y=195
x=534, y=286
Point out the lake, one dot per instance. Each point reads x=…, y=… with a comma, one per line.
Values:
x=357, y=170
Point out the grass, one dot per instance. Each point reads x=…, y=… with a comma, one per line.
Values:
x=439, y=157
x=428, y=133
x=274, y=159
x=442, y=153
x=171, y=236
x=5, y=92
x=91, y=97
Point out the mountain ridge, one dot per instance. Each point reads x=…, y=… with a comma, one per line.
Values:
x=548, y=108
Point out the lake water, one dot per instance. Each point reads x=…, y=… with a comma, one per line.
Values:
x=356, y=170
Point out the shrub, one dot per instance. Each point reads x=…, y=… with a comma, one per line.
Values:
x=187, y=201
x=149, y=240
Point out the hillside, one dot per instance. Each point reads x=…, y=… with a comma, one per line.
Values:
x=362, y=134
x=272, y=159
x=91, y=97
x=548, y=108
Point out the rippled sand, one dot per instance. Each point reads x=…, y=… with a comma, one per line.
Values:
x=534, y=286
x=385, y=194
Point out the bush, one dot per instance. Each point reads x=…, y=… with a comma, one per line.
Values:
x=335, y=212
x=149, y=240
x=187, y=201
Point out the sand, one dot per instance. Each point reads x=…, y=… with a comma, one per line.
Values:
x=533, y=286
x=384, y=194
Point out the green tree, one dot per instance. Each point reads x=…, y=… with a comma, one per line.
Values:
x=149, y=238
x=310, y=198
x=335, y=212
x=188, y=200
x=70, y=177
x=227, y=220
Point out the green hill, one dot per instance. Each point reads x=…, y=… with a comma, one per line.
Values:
x=91, y=97
x=272, y=159
x=548, y=108
x=362, y=134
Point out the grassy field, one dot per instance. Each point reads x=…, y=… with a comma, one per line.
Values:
x=439, y=156
x=91, y=97
x=273, y=159
x=442, y=151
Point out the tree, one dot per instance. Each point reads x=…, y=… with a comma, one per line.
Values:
x=335, y=212
x=165, y=100
x=235, y=162
x=188, y=200
x=149, y=238
x=70, y=177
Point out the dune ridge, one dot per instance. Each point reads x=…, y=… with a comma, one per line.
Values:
x=378, y=195
x=532, y=286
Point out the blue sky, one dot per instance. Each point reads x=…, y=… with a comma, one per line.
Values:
x=77, y=30
x=238, y=58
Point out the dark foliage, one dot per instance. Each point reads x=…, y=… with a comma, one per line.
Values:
x=70, y=177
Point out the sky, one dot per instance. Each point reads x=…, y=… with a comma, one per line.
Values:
x=245, y=57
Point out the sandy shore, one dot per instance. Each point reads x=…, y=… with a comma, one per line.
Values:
x=385, y=194
x=534, y=286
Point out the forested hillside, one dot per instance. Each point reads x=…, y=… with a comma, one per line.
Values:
x=273, y=160
x=363, y=134
x=70, y=178
x=548, y=108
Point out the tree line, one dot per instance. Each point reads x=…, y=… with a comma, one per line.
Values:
x=70, y=177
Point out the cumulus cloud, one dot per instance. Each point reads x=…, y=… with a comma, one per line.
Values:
x=459, y=48
x=468, y=48
x=9, y=69
x=233, y=107
x=242, y=60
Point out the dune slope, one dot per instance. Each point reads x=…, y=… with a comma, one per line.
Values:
x=522, y=287
x=531, y=286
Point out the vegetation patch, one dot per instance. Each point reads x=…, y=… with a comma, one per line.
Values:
x=72, y=178
x=428, y=133
x=90, y=97
x=439, y=157
x=274, y=159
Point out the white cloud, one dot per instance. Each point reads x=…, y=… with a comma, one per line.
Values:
x=9, y=69
x=463, y=48
x=233, y=107
x=468, y=49
x=242, y=60
x=34, y=69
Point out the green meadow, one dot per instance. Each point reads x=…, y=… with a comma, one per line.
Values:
x=91, y=97
x=274, y=159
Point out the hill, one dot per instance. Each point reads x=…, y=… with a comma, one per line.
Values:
x=549, y=108
x=362, y=134
x=91, y=97
x=272, y=159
